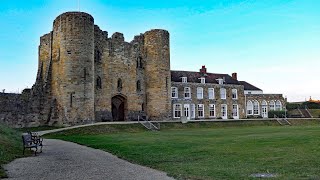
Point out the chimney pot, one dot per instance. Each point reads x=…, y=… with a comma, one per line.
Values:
x=203, y=69
x=234, y=76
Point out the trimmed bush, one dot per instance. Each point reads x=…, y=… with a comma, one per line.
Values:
x=272, y=114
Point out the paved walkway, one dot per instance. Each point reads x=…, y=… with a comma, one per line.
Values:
x=66, y=160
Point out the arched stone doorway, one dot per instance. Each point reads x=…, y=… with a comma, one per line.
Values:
x=119, y=104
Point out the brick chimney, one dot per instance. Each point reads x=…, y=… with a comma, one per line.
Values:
x=203, y=69
x=234, y=76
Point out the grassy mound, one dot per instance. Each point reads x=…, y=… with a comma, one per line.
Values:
x=10, y=146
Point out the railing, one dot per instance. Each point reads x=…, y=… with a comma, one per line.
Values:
x=282, y=121
x=149, y=125
x=307, y=109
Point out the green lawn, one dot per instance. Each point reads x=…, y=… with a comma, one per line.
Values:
x=212, y=150
x=315, y=113
x=10, y=146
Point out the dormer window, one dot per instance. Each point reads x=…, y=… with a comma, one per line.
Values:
x=203, y=80
x=184, y=79
x=220, y=80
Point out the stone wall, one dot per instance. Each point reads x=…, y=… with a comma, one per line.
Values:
x=17, y=110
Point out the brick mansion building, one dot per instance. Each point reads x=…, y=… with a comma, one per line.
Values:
x=86, y=76
x=203, y=95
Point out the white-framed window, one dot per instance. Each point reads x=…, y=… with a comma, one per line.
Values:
x=234, y=94
x=220, y=80
x=235, y=111
x=256, y=108
x=223, y=93
x=199, y=93
x=271, y=106
x=224, y=114
x=211, y=93
x=192, y=110
x=184, y=79
x=203, y=80
x=249, y=108
x=278, y=106
x=200, y=110
x=212, y=110
x=177, y=110
x=174, y=92
x=187, y=93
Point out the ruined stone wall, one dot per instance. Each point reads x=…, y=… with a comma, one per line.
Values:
x=44, y=56
x=16, y=110
x=157, y=73
x=217, y=101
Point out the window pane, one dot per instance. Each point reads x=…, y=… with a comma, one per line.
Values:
x=211, y=93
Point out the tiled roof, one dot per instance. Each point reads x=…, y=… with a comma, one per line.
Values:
x=195, y=77
x=248, y=86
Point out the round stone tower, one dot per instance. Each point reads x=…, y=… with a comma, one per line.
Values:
x=73, y=66
x=157, y=73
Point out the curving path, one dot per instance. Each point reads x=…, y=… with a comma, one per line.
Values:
x=66, y=160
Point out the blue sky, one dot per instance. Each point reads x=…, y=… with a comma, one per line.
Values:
x=273, y=44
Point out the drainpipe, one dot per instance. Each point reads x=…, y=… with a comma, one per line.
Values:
x=245, y=105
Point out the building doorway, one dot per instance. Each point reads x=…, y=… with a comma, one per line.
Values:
x=119, y=104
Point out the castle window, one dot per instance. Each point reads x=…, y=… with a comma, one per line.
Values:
x=71, y=98
x=187, y=93
x=139, y=62
x=119, y=84
x=211, y=93
x=85, y=73
x=138, y=86
x=68, y=52
x=223, y=93
x=174, y=92
x=142, y=107
x=200, y=111
x=97, y=56
x=98, y=83
x=234, y=94
x=200, y=93
x=184, y=79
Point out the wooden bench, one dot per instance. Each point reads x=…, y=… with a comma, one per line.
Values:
x=32, y=140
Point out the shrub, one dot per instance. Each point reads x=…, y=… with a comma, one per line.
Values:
x=272, y=114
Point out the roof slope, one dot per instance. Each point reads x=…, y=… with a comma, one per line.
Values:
x=195, y=77
x=248, y=86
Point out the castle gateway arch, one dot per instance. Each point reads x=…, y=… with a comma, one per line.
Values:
x=119, y=108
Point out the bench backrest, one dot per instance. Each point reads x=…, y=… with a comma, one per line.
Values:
x=26, y=138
